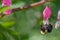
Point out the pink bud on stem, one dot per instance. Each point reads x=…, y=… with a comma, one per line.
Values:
x=46, y=14
x=57, y=24
x=58, y=16
x=7, y=3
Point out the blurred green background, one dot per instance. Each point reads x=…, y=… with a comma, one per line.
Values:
x=25, y=24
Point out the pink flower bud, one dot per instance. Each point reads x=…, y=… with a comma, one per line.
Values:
x=7, y=3
x=46, y=13
x=58, y=17
x=57, y=24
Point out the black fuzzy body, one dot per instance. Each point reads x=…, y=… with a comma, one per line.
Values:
x=48, y=27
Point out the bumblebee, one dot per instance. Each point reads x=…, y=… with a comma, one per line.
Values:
x=47, y=28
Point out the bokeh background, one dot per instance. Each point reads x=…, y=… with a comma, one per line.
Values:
x=25, y=24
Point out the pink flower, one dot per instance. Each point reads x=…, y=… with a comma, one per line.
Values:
x=58, y=17
x=57, y=24
x=46, y=13
x=7, y=3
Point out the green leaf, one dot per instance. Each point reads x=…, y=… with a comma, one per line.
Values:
x=7, y=24
x=2, y=9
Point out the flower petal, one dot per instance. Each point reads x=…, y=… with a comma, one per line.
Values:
x=46, y=13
